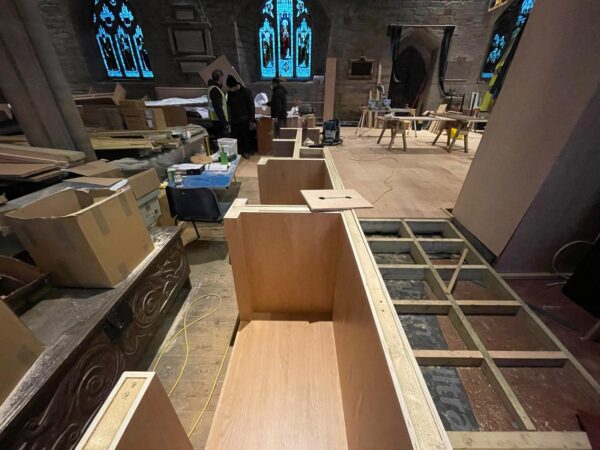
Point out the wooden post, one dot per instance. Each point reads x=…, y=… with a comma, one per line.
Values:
x=330, y=75
x=33, y=82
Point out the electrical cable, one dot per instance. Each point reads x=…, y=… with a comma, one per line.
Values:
x=555, y=257
x=184, y=331
x=386, y=181
x=210, y=395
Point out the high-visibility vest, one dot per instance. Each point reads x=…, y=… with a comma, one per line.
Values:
x=212, y=113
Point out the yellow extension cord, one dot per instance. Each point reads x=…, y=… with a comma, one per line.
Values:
x=187, y=354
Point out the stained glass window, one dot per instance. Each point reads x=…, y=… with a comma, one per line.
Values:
x=285, y=40
x=120, y=40
x=507, y=29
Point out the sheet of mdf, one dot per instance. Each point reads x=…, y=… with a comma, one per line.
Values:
x=282, y=389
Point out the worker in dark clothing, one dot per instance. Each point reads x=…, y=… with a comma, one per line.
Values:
x=278, y=104
x=217, y=105
x=241, y=113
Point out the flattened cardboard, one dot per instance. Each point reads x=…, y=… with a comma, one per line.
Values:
x=18, y=350
x=89, y=239
x=334, y=200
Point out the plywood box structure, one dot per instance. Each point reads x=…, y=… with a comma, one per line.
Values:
x=424, y=272
x=309, y=368
x=136, y=415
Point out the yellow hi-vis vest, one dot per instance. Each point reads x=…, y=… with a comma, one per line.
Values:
x=212, y=113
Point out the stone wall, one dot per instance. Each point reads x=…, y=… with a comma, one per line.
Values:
x=343, y=29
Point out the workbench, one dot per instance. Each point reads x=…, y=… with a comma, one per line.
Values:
x=461, y=123
x=90, y=337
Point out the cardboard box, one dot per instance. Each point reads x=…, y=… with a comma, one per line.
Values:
x=155, y=119
x=175, y=116
x=144, y=183
x=150, y=209
x=18, y=350
x=100, y=169
x=84, y=239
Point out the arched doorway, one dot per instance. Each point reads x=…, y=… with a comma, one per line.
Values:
x=409, y=78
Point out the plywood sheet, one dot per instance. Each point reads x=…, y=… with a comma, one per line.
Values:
x=23, y=170
x=281, y=180
x=18, y=350
x=334, y=200
x=275, y=268
x=372, y=410
x=281, y=390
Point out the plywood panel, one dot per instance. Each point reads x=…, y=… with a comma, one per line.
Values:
x=136, y=415
x=283, y=263
x=18, y=350
x=281, y=390
x=529, y=129
x=281, y=180
x=334, y=200
x=372, y=410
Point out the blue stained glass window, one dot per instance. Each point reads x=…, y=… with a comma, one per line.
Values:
x=120, y=40
x=507, y=29
x=285, y=39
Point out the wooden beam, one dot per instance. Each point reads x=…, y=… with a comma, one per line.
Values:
x=454, y=358
x=490, y=307
x=422, y=306
x=547, y=440
x=528, y=359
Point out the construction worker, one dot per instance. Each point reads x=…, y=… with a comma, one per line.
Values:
x=217, y=105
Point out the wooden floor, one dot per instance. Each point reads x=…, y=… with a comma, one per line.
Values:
x=420, y=182
x=294, y=401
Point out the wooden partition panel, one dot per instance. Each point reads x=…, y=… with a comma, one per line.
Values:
x=283, y=263
x=136, y=415
x=281, y=180
x=372, y=407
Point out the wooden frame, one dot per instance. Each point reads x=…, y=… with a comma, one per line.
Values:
x=428, y=238
x=501, y=301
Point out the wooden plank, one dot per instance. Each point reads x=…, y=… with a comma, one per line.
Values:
x=454, y=358
x=330, y=81
x=42, y=152
x=23, y=170
x=496, y=440
x=422, y=306
x=334, y=200
x=528, y=359
x=491, y=307
x=137, y=414
x=454, y=279
x=294, y=399
x=18, y=350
